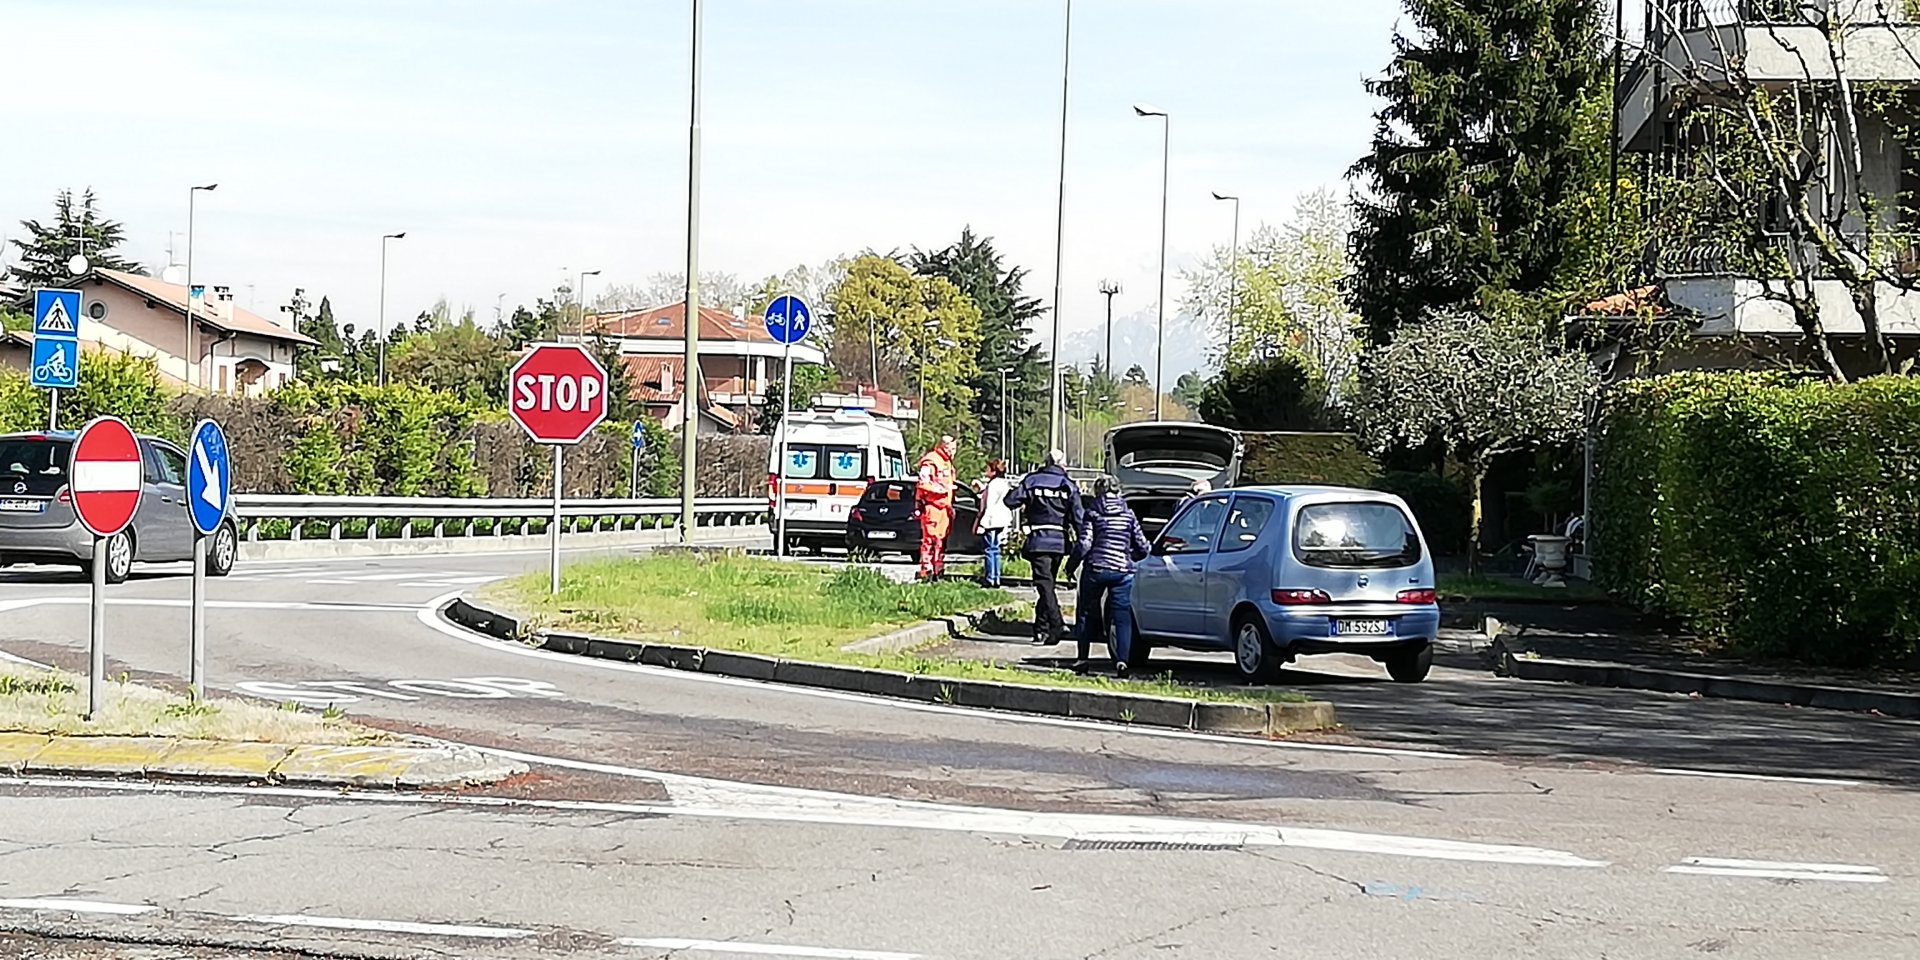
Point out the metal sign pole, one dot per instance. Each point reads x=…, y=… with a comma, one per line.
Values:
x=633, y=473
x=553, y=548
x=97, y=630
x=53, y=409
x=197, y=674
x=780, y=478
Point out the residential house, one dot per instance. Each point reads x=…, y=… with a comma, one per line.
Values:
x=1699, y=48
x=228, y=349
x=738, y=363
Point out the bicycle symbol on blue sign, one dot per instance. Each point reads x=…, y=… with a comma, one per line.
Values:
x=56, y=363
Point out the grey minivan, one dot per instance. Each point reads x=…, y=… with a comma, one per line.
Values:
x=1156, y=465
x=38, y=525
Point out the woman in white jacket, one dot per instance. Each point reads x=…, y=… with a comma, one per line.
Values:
x=995, y=516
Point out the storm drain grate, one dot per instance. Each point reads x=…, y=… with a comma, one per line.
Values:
x=1079, y=844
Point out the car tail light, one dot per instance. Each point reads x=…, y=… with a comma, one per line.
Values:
x=1288, y=598
x=773, y=490
x=856, y=515
x=64, y=496
x=1424, y=595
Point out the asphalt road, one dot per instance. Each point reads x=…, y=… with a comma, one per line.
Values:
x=1465, y=816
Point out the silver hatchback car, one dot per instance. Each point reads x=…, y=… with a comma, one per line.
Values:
x=38, y=525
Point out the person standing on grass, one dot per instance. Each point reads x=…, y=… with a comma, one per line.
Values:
x=1110, y=541
x=934, y=493
x=1049, y=505
x=995, y=517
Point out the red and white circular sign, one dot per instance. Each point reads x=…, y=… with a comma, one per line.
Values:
x=557, y=393
x=105, y=475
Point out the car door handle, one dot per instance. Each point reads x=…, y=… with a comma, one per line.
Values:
x=1196, y=568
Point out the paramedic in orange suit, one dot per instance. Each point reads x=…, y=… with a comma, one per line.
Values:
x=935, y=495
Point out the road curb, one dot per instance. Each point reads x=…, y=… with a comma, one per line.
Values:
x=227, y=761
x=1257, y=719
x=1522, y=665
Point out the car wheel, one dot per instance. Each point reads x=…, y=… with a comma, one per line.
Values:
x=222, y=551
x=1253, y=652
x=119, y=558
x=1410, y=666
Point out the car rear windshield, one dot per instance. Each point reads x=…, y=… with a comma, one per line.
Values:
x=35, y=468
x=1355, y=535
x=813, y=461
x=889, y=491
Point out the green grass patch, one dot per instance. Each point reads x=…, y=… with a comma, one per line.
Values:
x=789, y=610
x=1457, y=587
x=52, y=702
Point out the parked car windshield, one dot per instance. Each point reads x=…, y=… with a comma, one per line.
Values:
x=40, y=466
x=1355, y=535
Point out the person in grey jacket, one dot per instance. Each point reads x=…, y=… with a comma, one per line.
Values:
x=1109, y=541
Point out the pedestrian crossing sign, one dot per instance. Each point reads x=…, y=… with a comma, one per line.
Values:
x=56, y=313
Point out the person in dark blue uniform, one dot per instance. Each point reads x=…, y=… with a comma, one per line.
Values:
x=1049, y=504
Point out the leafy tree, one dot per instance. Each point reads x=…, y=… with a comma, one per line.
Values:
x=1481, y=387
x=722, y=291
x=1006, y=345
x=539, y=324
x=77, y=227
x=1281, y=393
x=1288, y=293
x=809, y=381
x=1136, y=376
x=1188, y=388
x=921, y=336
x=1479, y=151
x=13, y=321
x=451, y=356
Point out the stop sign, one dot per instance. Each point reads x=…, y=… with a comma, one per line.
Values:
x=557, y=393
x=104, y=476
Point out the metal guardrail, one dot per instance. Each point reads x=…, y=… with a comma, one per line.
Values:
x=292, y=517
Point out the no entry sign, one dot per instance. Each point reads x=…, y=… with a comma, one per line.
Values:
x=105, y=476
x=557, y=393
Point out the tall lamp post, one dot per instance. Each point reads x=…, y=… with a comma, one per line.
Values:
x=1108, y=288
x=1160, y=322
x=381, y=373
x=580, y=300
x=1055, y=422
x=1233, y=278
x=188, y=365
x=1006, y=421
x=690, y=392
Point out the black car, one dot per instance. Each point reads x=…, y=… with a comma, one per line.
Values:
x=887, y=520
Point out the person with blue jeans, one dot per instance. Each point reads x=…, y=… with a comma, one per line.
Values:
x=995, y=517
x=1110, y=541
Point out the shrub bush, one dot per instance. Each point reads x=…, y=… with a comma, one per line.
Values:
x=1779, y=518
x=1332, y=458
x=1442, y=506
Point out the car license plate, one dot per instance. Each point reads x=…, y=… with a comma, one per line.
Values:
x=1363, y=628
x=881, y=535
x=23, y=506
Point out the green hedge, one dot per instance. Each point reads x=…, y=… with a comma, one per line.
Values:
x=1775, y=517
x=1330, y=458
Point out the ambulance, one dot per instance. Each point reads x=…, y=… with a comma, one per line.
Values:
x=831, y=456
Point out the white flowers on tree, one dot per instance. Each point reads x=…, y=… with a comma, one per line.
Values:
x=1480, y=386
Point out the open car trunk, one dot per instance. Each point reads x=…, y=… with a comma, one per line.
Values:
x=1157, y=463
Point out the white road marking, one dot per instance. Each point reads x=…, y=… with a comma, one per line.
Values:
x=1779, y=870
x=1764, y=777
x=329, y=692
x=23, y=661
x=429, y=615
x=389, y=926
x=720, y=800
x=221, y=604
x=77, y=906
x=760, y=949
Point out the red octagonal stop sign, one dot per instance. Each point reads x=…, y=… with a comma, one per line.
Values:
x=557, y=393
x=104, y=476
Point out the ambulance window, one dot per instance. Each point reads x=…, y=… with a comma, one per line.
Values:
x=803, y=462
x=846, y=463
x=896, y=463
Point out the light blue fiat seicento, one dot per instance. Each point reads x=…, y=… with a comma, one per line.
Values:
x=1274, y=572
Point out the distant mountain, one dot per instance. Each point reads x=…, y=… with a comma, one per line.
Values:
x=1133, y=342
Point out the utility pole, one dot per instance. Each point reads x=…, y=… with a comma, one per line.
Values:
x=690, y=385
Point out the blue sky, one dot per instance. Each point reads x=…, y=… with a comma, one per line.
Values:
x=514, y=139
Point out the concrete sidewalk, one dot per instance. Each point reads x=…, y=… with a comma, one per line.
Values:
x=322, y=765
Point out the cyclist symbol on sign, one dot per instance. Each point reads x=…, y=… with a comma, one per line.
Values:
x=55, y=369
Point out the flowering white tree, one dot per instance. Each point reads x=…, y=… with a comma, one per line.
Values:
x=1482, y=387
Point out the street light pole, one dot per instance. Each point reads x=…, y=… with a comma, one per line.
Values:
x=188, y=366
x=1055, y=421
x=381, y=372
x=690, y=389
x=1109, y=288
x=580, y=300
x=1233, y=278
x=1160, y=324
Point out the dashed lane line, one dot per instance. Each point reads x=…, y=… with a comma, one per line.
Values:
x=1779, y=870
x=475, y=932
x=59, y=905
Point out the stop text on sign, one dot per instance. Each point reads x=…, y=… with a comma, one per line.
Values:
x=548, y=391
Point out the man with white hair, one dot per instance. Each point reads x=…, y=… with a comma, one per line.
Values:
x=1049, y=502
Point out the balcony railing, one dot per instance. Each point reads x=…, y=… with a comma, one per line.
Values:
x=1897, y=252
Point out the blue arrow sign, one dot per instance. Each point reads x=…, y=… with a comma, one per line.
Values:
x=788, y=320
x=56, y=363
x=639, y=435
x=56, y=314
x=209, y=478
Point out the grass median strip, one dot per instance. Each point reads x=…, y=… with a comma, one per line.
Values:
x=791, y=611
x=34, y=701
